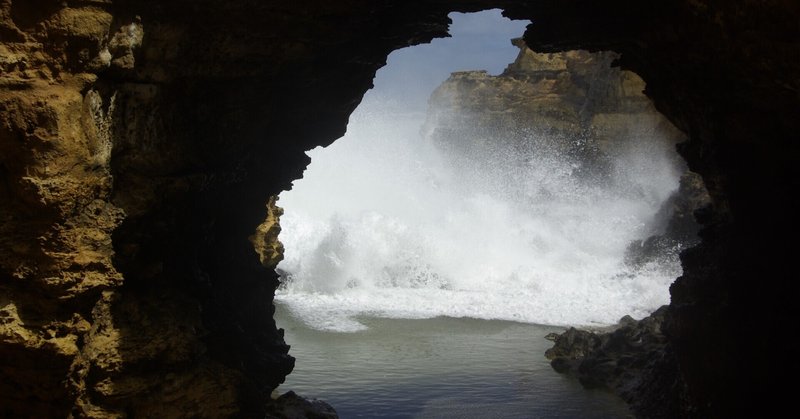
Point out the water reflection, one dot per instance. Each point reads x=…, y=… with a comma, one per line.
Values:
x=438, y=368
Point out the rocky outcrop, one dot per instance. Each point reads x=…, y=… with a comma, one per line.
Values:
x=291, y=406
x=676, y=224
x=576, y=107
x=633, y=360
x=574, y=102
x=140, y=140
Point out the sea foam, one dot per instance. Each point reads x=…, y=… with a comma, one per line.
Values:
x=385, y=225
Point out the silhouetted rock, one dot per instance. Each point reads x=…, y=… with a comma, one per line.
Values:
x=291, y=406
x=571, y=345
x=632, y=359
x=676, y=225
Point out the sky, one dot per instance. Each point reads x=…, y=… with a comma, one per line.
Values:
x=480, y=41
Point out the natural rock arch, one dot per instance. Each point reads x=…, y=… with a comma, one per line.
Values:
x=127, y=281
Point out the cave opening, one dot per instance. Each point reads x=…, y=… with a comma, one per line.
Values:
x=129, y=285
x=472, y=199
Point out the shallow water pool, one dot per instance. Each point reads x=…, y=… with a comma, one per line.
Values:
x=437, y=368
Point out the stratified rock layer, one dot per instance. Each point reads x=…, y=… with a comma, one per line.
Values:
x=564, y=96
x=573, y=104
x=140, y=141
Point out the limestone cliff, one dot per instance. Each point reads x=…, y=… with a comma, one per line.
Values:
x=574, y=104
x=561, y=94
x=574, y=101
x=141, y=139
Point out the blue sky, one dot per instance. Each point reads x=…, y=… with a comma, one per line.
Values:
x=480, y=41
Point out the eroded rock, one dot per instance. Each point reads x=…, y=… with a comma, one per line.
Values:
x=676, y=225
x=633, y=360
x=572, y=103
x=265, y=240
x=291, y=406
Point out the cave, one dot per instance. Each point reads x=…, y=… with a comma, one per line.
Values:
x=140, y=141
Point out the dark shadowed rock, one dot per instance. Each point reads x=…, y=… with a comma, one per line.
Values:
x=632, y=359
x=569, y=346
x=676, y=223
x=291, y=406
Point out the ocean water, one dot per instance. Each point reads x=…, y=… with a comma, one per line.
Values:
x=438, y=368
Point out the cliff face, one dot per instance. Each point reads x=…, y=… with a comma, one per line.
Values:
x=574, y=105
x=140, y=141
x=573, y=101
x=561, y=93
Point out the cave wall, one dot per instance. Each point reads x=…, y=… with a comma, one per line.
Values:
x=140, y=144
x=141, y=140
x=727, y=74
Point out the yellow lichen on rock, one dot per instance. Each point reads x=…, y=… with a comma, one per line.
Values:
x=265, y=239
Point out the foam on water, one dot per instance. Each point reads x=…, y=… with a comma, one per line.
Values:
x=385, y=224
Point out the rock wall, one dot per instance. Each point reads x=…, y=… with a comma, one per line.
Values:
x=569, y=92
x=140, y=141
x=726, y=74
